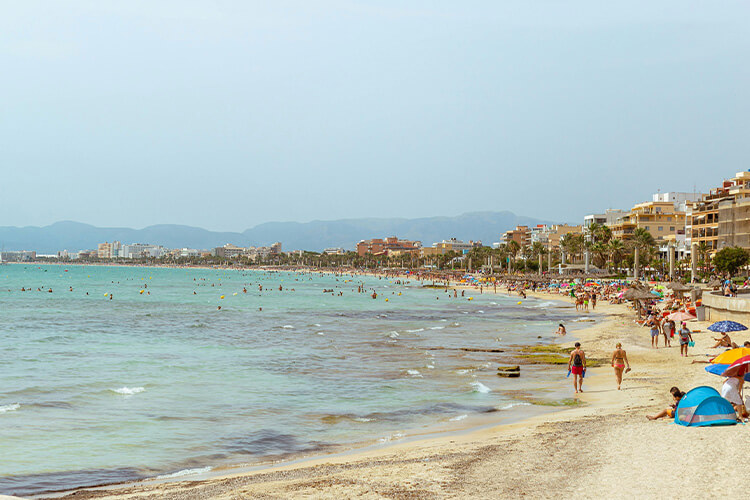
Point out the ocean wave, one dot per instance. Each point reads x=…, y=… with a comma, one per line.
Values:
x=458, y=418
x=10, y=407
x=320, y=333
x=540, y=305
x=363, y=419
x=414, y=373
x=480, y=387
x=437, y=327
x=393, y=335
x=288, y=327
x=480, y=312
x=185, y=472
x=512, y=405
x=128, y=391
x=392, y=437
x=415, y=331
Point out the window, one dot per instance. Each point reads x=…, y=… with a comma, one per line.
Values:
x=671, y=228
x=660, y=228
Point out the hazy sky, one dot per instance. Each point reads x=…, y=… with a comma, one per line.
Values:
x=227, y=114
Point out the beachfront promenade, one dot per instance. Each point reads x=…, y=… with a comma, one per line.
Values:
x=718, y=307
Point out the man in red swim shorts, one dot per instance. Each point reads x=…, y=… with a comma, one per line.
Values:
x=577, y=366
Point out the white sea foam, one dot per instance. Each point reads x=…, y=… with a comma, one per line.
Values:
x=10, y=407
x=541, y=305
x=185, y=472
x=415, y=331
x=128, y=391
x=437, y=328
x=363, y=419
x=288, y=327
x=393, y=335
x=493, y=303
x=316, y=324
x=320, y=333
x=460, y=417
x=480, y=312
x=431, y=367
x=511, y=405
x=480, y=387
x=462, y=372
x=392, y=437
x=414, y=373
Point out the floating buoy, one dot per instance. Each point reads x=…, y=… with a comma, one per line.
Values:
x=519, y=302
x=141, y=292
x=386, y=300
x=235, y=293
x=221, y=297
x=106, y=295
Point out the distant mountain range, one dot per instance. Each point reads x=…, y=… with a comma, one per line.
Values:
x=315, y=235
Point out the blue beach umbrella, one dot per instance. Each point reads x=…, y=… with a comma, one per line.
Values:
x=719, y=368
x=727, y=326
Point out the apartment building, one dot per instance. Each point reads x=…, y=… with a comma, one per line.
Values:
x=719, y=218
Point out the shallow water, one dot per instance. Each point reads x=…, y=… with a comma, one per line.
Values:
x=94, y=390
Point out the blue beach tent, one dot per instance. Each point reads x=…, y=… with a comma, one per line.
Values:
x=704, y=406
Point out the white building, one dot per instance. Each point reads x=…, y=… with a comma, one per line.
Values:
x=680, y=200
x=141, y=250
x=609, y=217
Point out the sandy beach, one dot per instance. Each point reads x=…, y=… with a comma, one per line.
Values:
x=604, y=447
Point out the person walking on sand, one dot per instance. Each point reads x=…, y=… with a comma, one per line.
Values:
x=685, y=338
x=577, y=366
x=655, y=329
x=666, y=329
x=619, y=361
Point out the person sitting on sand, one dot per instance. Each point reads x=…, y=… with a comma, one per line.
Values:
x=724, y=341
x=669, y=412
x=619, y=361
x=732, y=392
x=561, y=330
x=577, y=366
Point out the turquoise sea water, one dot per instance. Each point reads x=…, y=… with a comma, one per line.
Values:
x=94, y=390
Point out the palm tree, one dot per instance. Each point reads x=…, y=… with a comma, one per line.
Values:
x=513, y=248
x=703, y=250
x=644, y=242
x=616, y=250
x=537, y=250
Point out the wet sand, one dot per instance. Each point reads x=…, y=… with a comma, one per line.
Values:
x=605, y=447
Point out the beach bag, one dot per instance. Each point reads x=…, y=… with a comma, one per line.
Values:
x=691, y=344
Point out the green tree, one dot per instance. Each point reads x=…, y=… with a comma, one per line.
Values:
x=730, y=259
x=616, y=250
x=513, y=248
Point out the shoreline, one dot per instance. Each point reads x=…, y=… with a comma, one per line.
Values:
x=581, y=451
x=351, y=451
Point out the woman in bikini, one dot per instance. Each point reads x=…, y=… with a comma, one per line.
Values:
x=619, y=362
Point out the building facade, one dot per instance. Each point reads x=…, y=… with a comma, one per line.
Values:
x=378, y=246
x=660, y=218
x=703, y=218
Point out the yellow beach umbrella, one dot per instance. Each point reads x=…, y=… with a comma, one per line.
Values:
x=730, y=356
